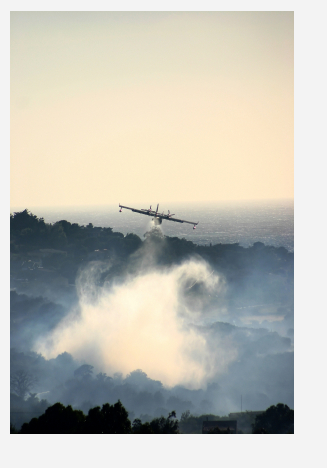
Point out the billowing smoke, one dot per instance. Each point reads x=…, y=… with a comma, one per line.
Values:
x=144, y=322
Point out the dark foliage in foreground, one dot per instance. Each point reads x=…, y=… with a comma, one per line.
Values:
x=113, y=419
x=160, y=425
x=110, y=419
x=57, y=419
x=277, y=419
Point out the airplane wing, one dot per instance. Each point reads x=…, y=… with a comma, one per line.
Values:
x=170, y=218
x=144, y=212
x=157, y=215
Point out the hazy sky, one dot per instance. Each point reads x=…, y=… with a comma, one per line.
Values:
x=110, y=107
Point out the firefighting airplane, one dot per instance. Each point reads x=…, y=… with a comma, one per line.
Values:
x=157, y=217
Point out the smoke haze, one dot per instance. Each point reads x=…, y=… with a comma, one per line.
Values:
x=162, y=324
x=143, y=323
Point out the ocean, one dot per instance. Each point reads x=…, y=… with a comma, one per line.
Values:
x=270, y=222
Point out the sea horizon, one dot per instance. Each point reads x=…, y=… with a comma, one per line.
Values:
x=227, y=222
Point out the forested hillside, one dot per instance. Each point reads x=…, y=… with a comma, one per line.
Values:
x=210, y=323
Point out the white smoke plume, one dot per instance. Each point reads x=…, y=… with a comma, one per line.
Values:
x=144, y=323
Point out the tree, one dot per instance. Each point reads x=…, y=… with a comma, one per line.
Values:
x=132, y=242
x=57, y=419
x=58, y=238
x=94, y=421
x=21, y=383
x=24, y=219
x=84, y=372
x=110, y=419
x=66, y=225
x=103, y=377
x=164, y=425
x=160, y=425
x=277, y=419
x=139, y=428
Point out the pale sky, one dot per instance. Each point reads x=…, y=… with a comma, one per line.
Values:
x=110, y=107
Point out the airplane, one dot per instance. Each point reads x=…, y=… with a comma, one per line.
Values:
x=157, y=217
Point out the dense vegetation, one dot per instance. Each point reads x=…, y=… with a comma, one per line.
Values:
x=113, y=419
x=60, y=249
x=46, y=265
x=110, y=419
x=277, y=419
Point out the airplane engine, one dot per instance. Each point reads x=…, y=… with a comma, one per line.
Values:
x=157, y=221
